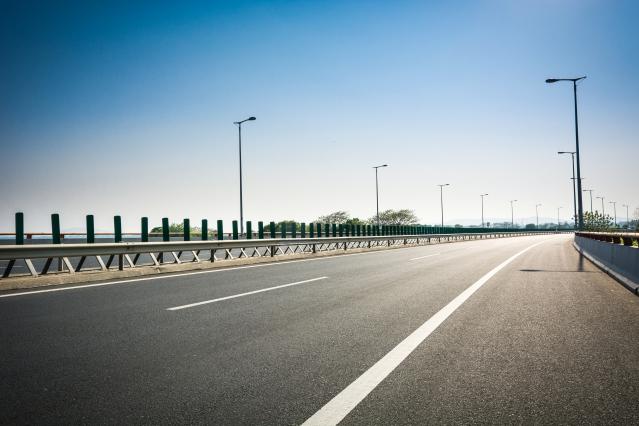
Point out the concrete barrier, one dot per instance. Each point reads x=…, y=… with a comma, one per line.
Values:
x=619, y=261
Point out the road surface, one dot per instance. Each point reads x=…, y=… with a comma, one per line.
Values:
x=515, y=330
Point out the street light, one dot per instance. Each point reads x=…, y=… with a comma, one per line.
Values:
x=603, y=211
x=537, y=213
x=558, y=208
x=482, y=209
x=239, y=129
x=512, y=214
x=441, y=198
x=574, y=192
x=579, y=191
x=589, y=190
x=377, y=190
x=614, y=207
x=627, y=216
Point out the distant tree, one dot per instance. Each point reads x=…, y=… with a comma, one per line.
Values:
x=530, y=226
x=356, y=221
x=289, y=225
x=396, y=217
x=174, y=227
x=457, y=225
x=338, y=217
x=596, y=221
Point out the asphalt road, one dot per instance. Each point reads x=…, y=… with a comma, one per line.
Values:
x=543, y=337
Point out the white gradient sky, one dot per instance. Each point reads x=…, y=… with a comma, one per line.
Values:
x=129, y=110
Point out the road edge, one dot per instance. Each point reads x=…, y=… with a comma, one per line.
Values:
x=626, y=282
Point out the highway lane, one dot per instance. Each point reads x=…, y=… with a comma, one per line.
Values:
x=115, y=354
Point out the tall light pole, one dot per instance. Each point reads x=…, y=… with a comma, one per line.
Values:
x=377, y=190
x=589, y=190
x=558, y=208
x=482, y=209
x=512, y=214
x=441, y=198
x=627, y=216
x=614, y=207
x=574, y=191
x=579, y=198
x=603, y=210
x=537, y=213
x=239, y=129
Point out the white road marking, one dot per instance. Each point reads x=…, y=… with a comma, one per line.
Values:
x=344, y=402
x=424, y=257
x=177, y=308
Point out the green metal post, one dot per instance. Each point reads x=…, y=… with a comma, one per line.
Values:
x=272, y=229
x=283, y=229
x=19, y=228
x=144, y=230
x=327, y=230
x=303, y=230
x=260, y=230
x=294, y=230
x=220, y=229
x=341, y=230
x=55, y=228
x=205, y=230
x=90, y=229
x=249, y=230
x=187, y=229
x=334, y=230
x=117, y=229
x=311, y=230
x=235, y=231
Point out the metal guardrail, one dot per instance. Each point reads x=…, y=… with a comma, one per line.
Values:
x=129, y=254
x=624, y=238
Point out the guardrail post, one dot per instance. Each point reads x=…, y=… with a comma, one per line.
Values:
x=19, y=228
x=303, y=230
x=249, y=230
x=205, y=230
x=220, y=230
x=55, y=228
x=235, y=232
x=294, y=230
x=90, y=229
x=327, y=230
x=341, y=230
x=283, y=229
x=272, y=229
x=117, y=237
x=165, y=229
x=334, y=230
x=311, y=230
x=260, y=230
x=144, y=229
x=187, y=229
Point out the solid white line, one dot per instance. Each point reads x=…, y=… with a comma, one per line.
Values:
x=424, y=257
x=344, y=402
x=177, y=308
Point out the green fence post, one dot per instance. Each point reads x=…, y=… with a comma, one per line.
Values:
x=235, y=232
x=334, y=229
x=327, y=230
x=55, y=228
x=19, y=228
x=303, y=230
x=311, y=230
x=282, y=229
x=341, y=230
x=220, y=229
x=249, y=230
x=187, y=229
x=260, y=230
x=294, y=230
x=117, y=229
x=90, y=229
x=205, y=230
x=272, y=229
x=144, y=230
x=165, y=229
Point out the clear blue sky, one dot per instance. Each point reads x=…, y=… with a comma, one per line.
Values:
x=128, y=107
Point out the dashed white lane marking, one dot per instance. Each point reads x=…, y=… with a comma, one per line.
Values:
x=345, y=401
x=177, y=308
x=424, y=257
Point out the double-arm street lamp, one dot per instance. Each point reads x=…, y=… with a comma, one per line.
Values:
x=512, y=214
x=603, y=210
x=574, y=192
x=482, y=209
x=377, y=190
x=580, y=211
x=537, y=213
x=441, y=198
x=239, y=128
x=614, y=207
x=590, y=191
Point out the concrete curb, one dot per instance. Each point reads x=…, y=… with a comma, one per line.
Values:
x=626, y=282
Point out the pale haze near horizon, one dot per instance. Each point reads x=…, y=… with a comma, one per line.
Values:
x=129, y=110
